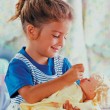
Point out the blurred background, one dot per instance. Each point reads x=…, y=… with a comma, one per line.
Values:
x=88, y=42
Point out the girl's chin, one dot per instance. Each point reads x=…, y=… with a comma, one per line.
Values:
x=53, y=55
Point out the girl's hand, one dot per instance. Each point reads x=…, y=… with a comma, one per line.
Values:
x=69, y=106
x=75, y=72
x=78, y=71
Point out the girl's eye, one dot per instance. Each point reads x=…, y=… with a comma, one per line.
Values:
x=56, y=36
x=59, y=36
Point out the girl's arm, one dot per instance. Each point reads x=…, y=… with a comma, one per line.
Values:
x=33, y=94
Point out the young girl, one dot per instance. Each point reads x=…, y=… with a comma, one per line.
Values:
x=36, y=71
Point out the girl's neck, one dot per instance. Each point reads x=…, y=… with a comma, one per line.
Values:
x=36, y=57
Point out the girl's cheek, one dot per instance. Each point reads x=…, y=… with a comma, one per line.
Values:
x=54, y=41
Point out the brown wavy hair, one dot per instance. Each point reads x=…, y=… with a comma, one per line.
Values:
x=39, y=12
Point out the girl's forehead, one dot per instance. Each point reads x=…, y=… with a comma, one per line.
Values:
x=59, y=27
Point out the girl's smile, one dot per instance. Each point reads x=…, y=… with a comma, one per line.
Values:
x=50, y=40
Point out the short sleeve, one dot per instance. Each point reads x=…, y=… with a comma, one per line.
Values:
x=18, y=75
x=66, y=65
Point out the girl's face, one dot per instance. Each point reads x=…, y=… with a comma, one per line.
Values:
x=52, y=38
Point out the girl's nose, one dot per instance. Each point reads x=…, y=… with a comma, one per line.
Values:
x=62, y=41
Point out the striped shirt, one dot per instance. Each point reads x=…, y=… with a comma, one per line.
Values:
x=34, y=74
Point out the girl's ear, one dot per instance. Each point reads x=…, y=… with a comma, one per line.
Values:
x=32, y=32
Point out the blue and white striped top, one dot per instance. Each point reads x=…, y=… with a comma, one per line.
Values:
x=23, y=71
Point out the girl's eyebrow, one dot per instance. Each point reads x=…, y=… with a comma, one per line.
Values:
x=59, y=32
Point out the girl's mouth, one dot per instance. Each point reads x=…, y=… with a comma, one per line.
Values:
x=55, y=49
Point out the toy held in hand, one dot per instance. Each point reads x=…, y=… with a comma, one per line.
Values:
x=95, y=88
x=72, y=93
x=89, y=86
x=71, y=97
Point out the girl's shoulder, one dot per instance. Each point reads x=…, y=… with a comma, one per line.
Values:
x=17, y=62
